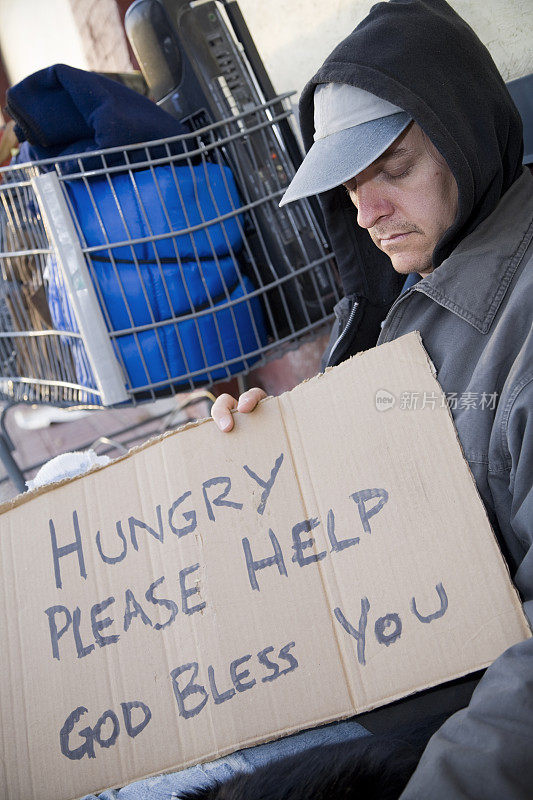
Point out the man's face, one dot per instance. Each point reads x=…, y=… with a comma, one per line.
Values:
x=406, y=199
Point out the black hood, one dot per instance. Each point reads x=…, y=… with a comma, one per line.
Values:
x=421, y=56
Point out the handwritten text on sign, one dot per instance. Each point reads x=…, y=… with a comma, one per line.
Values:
x=184, y=596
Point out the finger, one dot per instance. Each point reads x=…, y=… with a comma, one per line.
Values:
x=248, y=400
x=221, y=411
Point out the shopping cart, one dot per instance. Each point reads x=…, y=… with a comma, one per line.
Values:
x=131, y=273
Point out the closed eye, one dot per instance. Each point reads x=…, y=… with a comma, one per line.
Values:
x=394, y=176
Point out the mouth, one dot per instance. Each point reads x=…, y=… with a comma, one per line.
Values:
x=393, y=239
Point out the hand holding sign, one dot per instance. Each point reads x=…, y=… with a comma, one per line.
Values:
x=225, y=404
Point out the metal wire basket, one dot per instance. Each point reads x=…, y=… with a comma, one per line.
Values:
x=155, y=268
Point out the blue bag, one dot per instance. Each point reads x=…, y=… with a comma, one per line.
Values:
x=151, y=279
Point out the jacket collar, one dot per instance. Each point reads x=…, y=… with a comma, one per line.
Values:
x=494, y=250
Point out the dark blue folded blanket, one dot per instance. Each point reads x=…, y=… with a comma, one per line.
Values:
x=61, y=110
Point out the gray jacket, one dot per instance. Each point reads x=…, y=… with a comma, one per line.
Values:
x=475, y=316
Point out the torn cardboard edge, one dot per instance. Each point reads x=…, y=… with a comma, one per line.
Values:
x=26, y=497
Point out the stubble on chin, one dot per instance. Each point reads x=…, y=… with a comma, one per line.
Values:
x=405, y=263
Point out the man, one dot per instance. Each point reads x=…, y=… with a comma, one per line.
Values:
x=415, y=148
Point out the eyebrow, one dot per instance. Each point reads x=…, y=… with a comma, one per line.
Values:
x=398, y=153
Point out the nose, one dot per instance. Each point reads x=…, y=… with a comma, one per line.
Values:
x=372, y=203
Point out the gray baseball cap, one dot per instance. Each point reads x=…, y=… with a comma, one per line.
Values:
x=352, y=128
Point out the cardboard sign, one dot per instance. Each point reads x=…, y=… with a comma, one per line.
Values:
x=211, y=591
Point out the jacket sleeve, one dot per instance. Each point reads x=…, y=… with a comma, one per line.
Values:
x=485, y=751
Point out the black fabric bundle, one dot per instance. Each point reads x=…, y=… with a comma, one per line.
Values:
x=61, y=110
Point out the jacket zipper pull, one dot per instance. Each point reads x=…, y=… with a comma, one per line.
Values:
x=343, y=334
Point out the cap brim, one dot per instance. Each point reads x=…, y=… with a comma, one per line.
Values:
x=340, y=156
